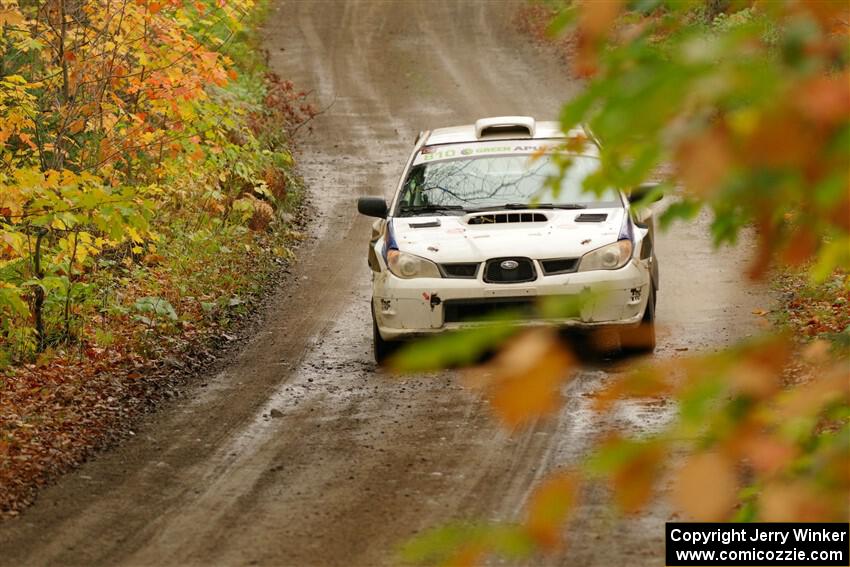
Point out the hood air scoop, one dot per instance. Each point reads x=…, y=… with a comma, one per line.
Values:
x=592, y=217
x=425, y=224
x=503, y=218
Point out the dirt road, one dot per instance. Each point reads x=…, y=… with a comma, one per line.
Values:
x=300, y=452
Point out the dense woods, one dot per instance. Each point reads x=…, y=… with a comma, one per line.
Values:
x=146, y=191
x=127, y=127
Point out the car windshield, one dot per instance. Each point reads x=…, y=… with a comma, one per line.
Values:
x=506, y=181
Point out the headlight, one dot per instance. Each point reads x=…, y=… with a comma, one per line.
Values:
x=408, y=266
x=610, y=257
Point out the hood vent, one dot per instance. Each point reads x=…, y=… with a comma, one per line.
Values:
x=503, y=218
x=592, y=217
x=428, y=224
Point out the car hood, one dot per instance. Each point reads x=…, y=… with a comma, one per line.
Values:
x=552, y=234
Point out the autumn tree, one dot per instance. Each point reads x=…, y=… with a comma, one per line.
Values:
x=111, y=111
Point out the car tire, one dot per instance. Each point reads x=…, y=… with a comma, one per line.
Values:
x=381, y=349
x=641, y=339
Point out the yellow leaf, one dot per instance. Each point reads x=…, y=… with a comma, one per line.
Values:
x=134, y=235
x=11, y=17
x=12, y=201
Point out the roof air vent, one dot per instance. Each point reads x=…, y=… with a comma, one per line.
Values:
x=505, y=127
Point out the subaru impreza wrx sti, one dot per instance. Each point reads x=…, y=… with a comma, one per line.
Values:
x=477, y=225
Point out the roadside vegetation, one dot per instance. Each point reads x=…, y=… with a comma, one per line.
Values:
x=146, y=196
x=742, y=108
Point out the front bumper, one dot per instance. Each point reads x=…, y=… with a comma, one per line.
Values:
x=422, y=306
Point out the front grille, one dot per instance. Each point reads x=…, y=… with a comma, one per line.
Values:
x=472, y=310
x=460, y=270
x=501, y=218
x=591, y=217
x=496, y=272
x=560, y=266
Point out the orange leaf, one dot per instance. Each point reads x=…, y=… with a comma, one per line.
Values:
x=551, y=505
x=704, y=161
x=597, y=17
x=595, y=22
x=754, y=380
x=764, y=252
x=468, y=556
x=809, y=399
x=76, y=126
x=644, y=382
x=523, y=381
x=781, y=138
x=705, y=487
x=634, y=481
x=825, y=99
x=796, y=502
x=768, y=454
x=800, y=247
x=25, y=138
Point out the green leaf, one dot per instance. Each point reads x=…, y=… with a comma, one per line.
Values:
x=10, y=297
x=157, y=306
x=439, y=545
x=459, y=348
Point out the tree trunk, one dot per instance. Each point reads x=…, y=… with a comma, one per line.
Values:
x=38, y=301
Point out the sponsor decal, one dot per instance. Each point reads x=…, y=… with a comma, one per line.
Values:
x=434, y=153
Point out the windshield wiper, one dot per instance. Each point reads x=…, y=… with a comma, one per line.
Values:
x=568, y=206
x=423, y=209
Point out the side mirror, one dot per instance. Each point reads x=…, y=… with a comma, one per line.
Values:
x=641, y=191
x=372, y=207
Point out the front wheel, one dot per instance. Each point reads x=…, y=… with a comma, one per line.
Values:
x=641, y=339
x=381, y=349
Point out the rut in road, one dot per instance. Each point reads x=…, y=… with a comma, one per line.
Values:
x=352, y=461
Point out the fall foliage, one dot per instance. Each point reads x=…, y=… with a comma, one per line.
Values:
x=146, y=191
x=111, y=113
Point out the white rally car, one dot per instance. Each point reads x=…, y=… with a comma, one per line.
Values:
x=474, y=227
